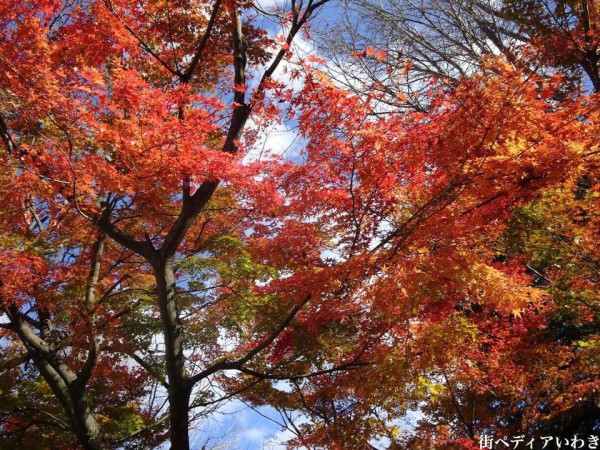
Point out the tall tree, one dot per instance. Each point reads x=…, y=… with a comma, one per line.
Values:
x=113, y=109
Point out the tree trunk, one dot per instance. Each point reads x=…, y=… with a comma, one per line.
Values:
x=83, y=423
x=87, y=428
x=179, y=384
x=63, y=382
x=179, y=418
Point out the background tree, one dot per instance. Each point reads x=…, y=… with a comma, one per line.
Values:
x=55, y=296
x=413, y=214
x=441, y=41
x=550, y=39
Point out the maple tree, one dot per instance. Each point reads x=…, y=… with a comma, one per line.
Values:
x=131, y=212
x=448, y=290
x=548, y=242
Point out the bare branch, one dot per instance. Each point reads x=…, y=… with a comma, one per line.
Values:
x=270, y=376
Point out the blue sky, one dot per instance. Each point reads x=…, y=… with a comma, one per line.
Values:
x=240, y=427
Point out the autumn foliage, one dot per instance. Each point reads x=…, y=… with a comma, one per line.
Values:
x=441, y=261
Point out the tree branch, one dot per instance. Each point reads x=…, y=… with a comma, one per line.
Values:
x=197, y=58
x=194, y=204
x=267, y=376
x=151, y=370
x=238, y=363
x=6, y=137
x=142, y=248
x=86, y=372
x=141, y=42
